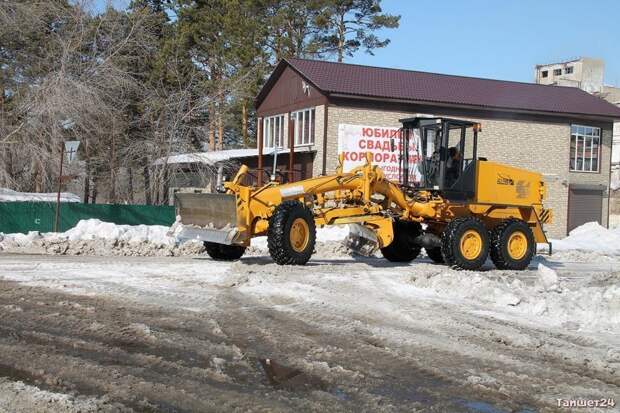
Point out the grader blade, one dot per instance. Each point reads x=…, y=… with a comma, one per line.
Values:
x=362, y=240
x=207, y=217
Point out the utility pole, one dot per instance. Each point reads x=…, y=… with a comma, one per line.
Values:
x=62, y=159
x=71, y=148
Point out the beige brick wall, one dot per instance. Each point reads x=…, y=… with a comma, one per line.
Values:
x=542, y=147
x=319, y=121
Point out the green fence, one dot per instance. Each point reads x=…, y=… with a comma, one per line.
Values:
x=39, y=216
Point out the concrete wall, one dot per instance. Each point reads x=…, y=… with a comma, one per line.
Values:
x=539, y=146
x=587, y=74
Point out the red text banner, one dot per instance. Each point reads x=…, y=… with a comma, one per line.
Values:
x=354, y=141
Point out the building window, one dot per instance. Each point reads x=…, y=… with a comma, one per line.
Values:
x=545, y=73
x=273, y=132
x=304, y=126
x=585, y=148
x=557, y=72
x=568, y=70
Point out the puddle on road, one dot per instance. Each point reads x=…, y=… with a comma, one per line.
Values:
x=476, y=406
x=403, y=393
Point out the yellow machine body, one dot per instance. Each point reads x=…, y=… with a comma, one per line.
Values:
x=502, y=184
x=471, y=209
x=363, y=196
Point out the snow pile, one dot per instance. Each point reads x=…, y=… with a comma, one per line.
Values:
x=90, y=229
x=95, y=237
x=592, y=303
x=8, y=195
x=591, y=237
x=19, y=240
x=548, y=278
x=469, y=286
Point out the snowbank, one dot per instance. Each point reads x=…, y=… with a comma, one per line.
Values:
x=8, y=195
x=590, y=304
x=94, y=237
x=91, y=229
x=591, y=237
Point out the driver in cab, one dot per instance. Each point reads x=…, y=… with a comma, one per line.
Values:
x=453, y=166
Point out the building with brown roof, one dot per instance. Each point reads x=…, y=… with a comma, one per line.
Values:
x=329, y=108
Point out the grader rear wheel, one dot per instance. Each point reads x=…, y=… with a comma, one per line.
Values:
x=292, y=234
x=465, y=243
x=512, y=245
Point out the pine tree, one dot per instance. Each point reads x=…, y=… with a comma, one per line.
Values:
x=348, y=25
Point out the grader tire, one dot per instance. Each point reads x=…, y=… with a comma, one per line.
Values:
x=435, y=254
x=512, y=245
x=402, y=249
x=292, y=234
x=465, y=243
x=221, y=252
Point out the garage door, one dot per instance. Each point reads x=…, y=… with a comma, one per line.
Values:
x=584, y=205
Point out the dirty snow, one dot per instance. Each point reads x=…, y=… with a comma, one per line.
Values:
x=550, y=331
x=17, y=397
x=498, y=331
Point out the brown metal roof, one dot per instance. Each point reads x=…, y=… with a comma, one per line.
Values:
x=408, y=85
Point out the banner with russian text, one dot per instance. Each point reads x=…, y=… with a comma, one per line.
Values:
x=354, y=141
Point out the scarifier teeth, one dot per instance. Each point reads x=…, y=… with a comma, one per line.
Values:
x=362, y=240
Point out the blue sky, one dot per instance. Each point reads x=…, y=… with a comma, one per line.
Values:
x=499, y=39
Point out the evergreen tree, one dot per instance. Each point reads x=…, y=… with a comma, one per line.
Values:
x=348, y=25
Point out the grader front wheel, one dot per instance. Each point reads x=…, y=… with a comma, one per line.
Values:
x=465, y=243
x=292, y=234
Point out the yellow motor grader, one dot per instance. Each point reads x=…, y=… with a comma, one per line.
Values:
x=460, y=208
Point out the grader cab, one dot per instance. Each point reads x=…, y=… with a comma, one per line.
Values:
x=460, y=208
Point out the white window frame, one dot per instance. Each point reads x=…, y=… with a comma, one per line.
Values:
x=273, y=132
x=304, y=136
x=588, y=135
